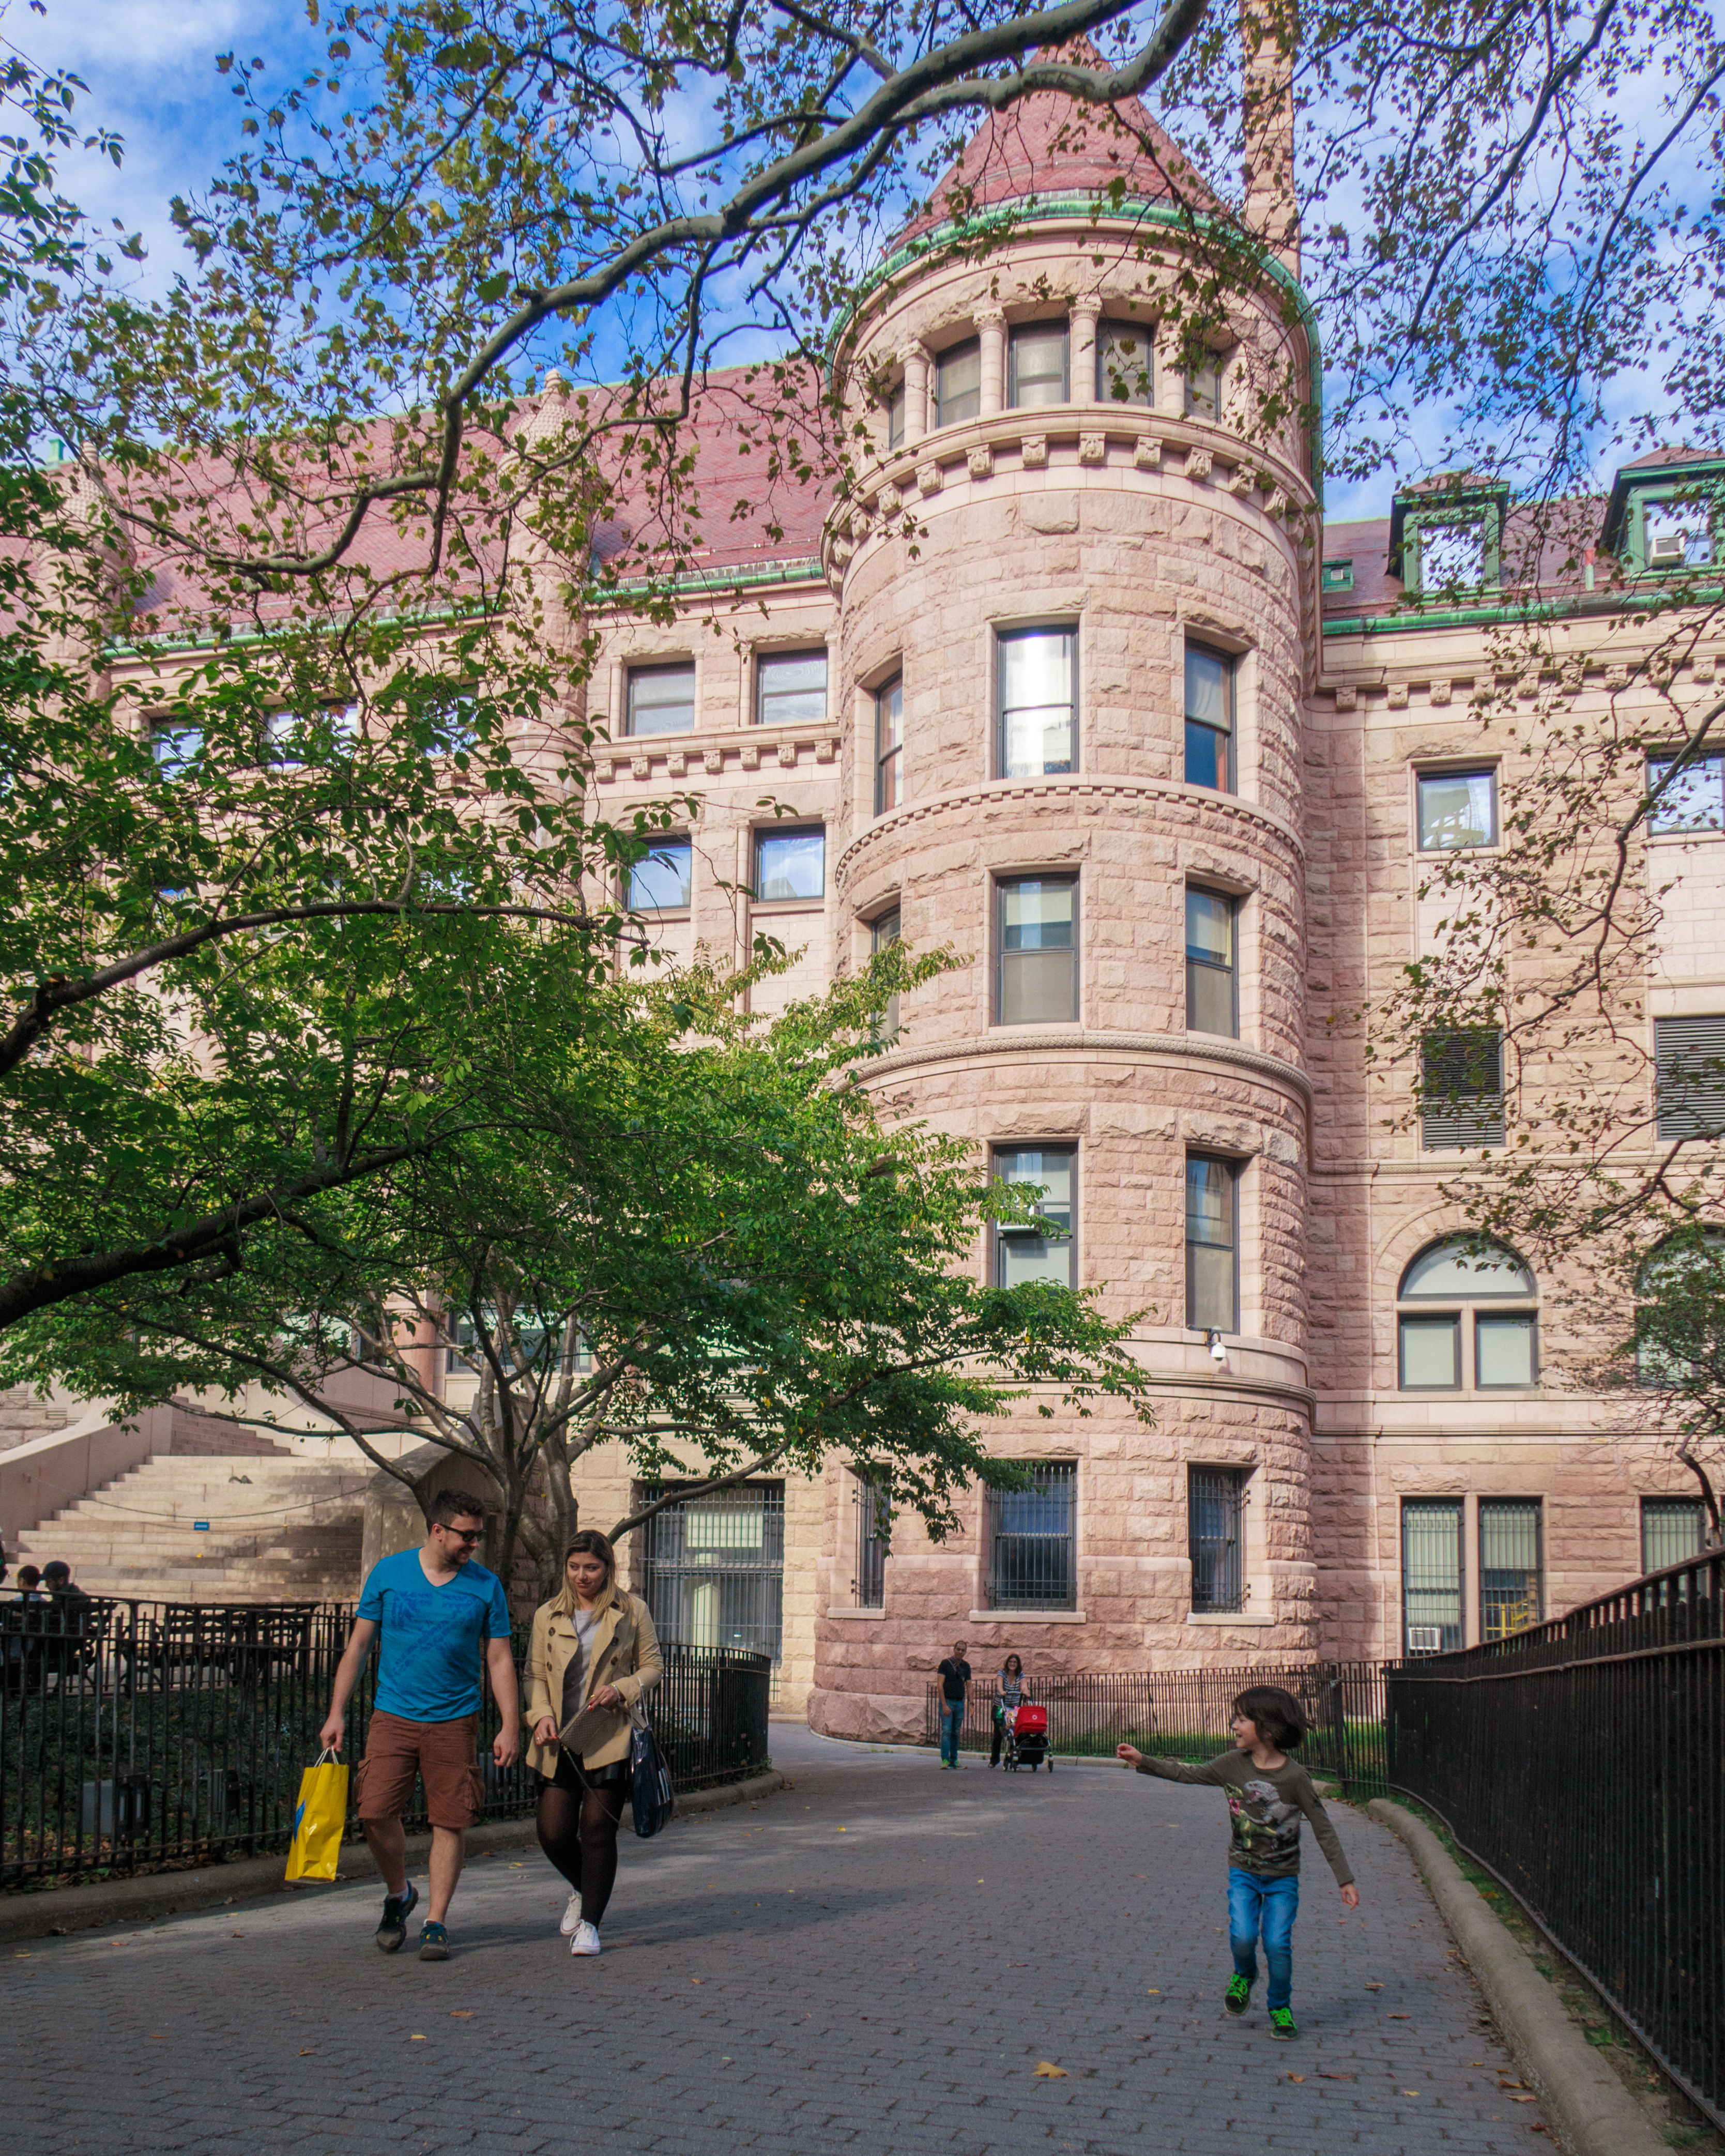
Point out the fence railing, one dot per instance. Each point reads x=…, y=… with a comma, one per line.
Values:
x=134, y=1734
x=1180, y=1714
x=1582, y=1762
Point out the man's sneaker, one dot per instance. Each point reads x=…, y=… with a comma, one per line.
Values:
x=571, y=1916
x=393, y=1930
x=586, y=1940
x=433, y=1942
x=1282, y=2024
x=1239, y=1994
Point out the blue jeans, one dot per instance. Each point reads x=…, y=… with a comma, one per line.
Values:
x=951, y=1722
x=1274, y=1904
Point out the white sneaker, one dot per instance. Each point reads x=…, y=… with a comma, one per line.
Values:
x=586, y=1940
x=572, y=1915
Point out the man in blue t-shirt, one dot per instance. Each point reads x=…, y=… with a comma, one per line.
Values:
x=440, y=1616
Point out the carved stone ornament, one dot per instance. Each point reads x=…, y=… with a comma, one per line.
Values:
x=1703, y=670
x=601, y=769
x=751, y=756
x=675, y=764
x=1277, y=506
x=928, y=477
x=1617, y=677
x=1242, y=479
x=1092, y=449
x=1439, y=692
x=1035, y=452
x=842, y=549
x=1346, y=700
x=714, y=761
x=787, y=756
x=1398, y=695
x=825, y=751
x=641, y=765
x=1198, y=464
x=981, y=460
x=891, y=501
x=1148, y=455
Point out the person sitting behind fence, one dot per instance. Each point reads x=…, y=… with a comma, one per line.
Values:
x=29, y=1584
x=57, y=1578
x=1267, y=1794
x=1012, y=1688
x=592, y=1647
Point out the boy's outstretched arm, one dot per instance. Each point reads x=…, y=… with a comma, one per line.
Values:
x=1168, y=1770
x=1312, y=1805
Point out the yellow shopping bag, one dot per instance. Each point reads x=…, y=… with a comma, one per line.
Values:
x=319, y=1818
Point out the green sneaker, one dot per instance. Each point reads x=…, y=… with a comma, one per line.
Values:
x=433, y=1942
x=393, y=1928
x=1282, y=2024
x=1239, y=1994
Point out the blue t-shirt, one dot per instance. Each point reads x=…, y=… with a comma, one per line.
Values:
x=432, y=1639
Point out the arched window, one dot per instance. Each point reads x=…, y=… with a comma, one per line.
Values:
x=1458, y=1324
x=1678, y=1291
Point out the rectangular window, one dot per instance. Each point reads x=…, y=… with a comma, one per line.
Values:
x=1449, y=557
x=661, y=699
x=1431, y=1574
x=889, y=745
x=1462, y=1088
x=1506, y=1349
x=1673, y=1530
x=1690, y=796
x=175, y=748
x=663, y=882
x=790, y=865
x=1214, y=1502
x=1025, y=1252
x=1126, y=367
x=1033, y=1554
x=1210, y=718
x=1036, y=364
x=958, y=384
x=1038, y=670
x=1204, y=391
x=1677, y=535
x=1689, y=1076
x=1212, y=976
x=1430, y=1352
x=887, y=930
x=1337, y=576
x=1212, y=1244
x=873, y=1534
x=1457, y=808
x=791, y=688
x=712, y=1567
x=1509, y=1566
x=1038, y=959
x=896, y=404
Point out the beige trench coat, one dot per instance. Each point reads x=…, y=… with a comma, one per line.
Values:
x=625, y=1653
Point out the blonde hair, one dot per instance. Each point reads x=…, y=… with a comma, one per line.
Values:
x=589, y=1542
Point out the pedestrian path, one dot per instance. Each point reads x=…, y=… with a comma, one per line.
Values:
x=876, y=1960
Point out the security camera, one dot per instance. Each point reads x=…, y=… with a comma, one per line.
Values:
x=1218, y=1353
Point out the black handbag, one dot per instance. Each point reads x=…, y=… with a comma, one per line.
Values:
x=650, y=1791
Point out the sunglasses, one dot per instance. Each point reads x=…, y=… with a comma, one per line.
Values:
x=466, y=1534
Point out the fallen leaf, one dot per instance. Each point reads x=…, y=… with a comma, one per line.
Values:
x=1524, y=2099
x=1296, y=2078
x=1324, y=2076
x=1374, y=1987
x=1410, y=2092
x=1154, y=1992
x=416, y=2040
x=1046, y=2072
x=697, y=1980
x=1505, y=2082
x=236, y=1935
x=1537, y=2125
x=1401, y=2017
x=308, y=2054
x=460, y=2014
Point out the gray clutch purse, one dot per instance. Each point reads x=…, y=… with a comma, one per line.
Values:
x=584, y=1732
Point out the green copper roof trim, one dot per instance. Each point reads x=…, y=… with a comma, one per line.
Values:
x=1583, y=602
x=804, y=569
x=148, y=647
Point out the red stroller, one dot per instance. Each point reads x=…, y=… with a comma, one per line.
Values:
x=1027, y=1739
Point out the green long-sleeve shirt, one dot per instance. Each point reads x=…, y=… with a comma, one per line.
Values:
x=1265, y=1804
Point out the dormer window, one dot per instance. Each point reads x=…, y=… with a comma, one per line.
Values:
x=1451, y=556
x=1446, y=535
x=1666, y=512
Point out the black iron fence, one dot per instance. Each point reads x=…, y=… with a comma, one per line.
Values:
x=134, y=1734
x=1184, y=1714
x=1581, y=1763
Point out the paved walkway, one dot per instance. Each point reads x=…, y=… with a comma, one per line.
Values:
x=876, y=1960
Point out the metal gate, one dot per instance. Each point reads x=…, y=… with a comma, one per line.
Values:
x=712, y=1568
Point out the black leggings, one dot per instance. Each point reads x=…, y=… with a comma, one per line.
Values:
x=577, y=1831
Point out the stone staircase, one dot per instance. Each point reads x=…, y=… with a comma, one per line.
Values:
x=280, y=1529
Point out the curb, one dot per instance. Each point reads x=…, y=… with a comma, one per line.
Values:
x=1590, y=2109
x=246, y=1882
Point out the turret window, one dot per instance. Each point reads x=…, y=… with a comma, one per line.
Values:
x=1037, y=371
x=1038, y=701
x=1210, y=718
x=1038, y=951
x=889, y=745
x=895, y=402
x=1125, y=371
x=1204, y=390
x=958, y=383
x=1212, y=975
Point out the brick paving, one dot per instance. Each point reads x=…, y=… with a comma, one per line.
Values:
x=875, y=1960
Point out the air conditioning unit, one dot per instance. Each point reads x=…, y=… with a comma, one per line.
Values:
x=1667, y=547
x=1425, y=1638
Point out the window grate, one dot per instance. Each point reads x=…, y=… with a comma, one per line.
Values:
x=1462, y=1088
x=1509, y=1566
x=1034, y=1541
x=1431, y=1574
x=1215, y=1498
x=1673, y=1530
x=874, y=1537
x=712, y=1567
x=1689, y=1076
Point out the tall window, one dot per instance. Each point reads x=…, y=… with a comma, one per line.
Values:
x=889, y=745
x=1673, y=1530
x=874, y=1535
x=1212, y=976
x=1678, y=1286
x=791, y=688
x=174, y=747
x=1033, y=1546
x=1037, y=957
x=1462, y=1088
x=1029, y=1252
x=1036, y=364
x=713, y=1566
x=661, y=699
x=1689, y=1076
x=1038, y=671
x=958, y=383
x=895, y=402
x=1431, y=1574
x=1204, y=390
x=1210, y=718
x=1215, y=1501
x=790, y=865
x=663, y=882
x=1457, y=808
x=1509, y=1566
x=1457, y=1310
x=1125, y=368
x=1690, y=794
x=1212, y=1244
x=1448, y=555
x=887, y=929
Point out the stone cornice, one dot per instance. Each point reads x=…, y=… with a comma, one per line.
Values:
x=1014, y=1043
x=1225, y=808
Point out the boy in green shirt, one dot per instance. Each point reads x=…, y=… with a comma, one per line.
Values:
x=1267, y=1794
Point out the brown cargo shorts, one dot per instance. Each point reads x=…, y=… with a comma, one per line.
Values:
x=444, y=1755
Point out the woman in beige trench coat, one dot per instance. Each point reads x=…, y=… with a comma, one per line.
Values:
x=594, y=1646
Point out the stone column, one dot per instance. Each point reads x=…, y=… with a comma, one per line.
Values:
x=915, y=359
x=1087, y=312
x=991, y=330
